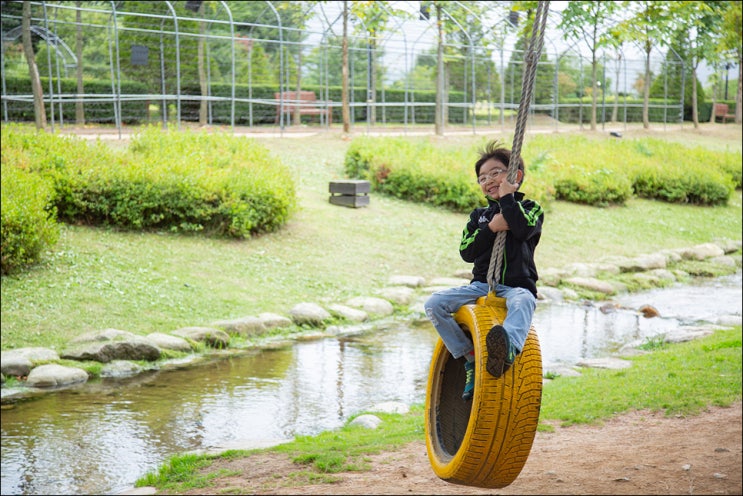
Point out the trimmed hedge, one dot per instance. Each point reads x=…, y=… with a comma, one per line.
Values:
x=432, y=172
x=420, y=104
x=137, y=111
x=175, y=181
x=630, y=110
x=572, y=168
x=28, y=226
x=265, y=113
x=417, y=170
x=132, y=111
x=686, y=175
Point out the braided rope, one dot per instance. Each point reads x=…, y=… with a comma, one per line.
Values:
x=531, y=59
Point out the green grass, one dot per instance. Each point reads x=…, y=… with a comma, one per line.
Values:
x=317, y=457
x=344, y=449
x=678, y=379
x=181, y=472
x=147, y=282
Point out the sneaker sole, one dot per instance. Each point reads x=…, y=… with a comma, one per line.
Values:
x=497, y=344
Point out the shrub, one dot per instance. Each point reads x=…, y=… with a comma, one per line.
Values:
x=176, y=181
x=599, y=187
x=680, y=185
x=579, y=169
x=216, y=182
x=729, y=163
x=684, y=175
x=28, y=225
x=416, y=170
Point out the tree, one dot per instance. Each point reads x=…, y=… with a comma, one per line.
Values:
x=732, y=43
x=374, y=16
x=650, y=23
x=618, y=57
x=294, y=14
x=678, y=74
x=586, y=20
x=422, y=76
x=438, y=117
x=316, y=61
x=714, y=80
x=33, y=71
x=150, y=26
x=79, y=107
x=468, y=54
x=201, y=61
x=451, y=19
x=543, y=84
x=700, y=37
x=345, y=108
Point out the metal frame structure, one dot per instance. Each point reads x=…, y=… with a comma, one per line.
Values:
x=173, y=28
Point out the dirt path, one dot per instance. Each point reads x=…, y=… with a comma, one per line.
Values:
x=637, y=453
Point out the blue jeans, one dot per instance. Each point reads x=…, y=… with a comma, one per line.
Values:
x=520, y=303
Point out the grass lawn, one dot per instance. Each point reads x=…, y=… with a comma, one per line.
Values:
x=145, y=282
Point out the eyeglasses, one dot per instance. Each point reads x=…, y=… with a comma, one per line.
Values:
x=493, y=174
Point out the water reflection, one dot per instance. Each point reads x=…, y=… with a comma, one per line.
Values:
x=569, y=333
x=100, y=437
x=115, y=431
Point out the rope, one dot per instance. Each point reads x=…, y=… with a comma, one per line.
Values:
x=531, y=58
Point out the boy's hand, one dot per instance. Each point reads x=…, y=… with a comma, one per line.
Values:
x=506, y=188
x=498, y=223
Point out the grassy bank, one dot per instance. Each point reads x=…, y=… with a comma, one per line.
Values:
x=146, y=282
x=679, y=379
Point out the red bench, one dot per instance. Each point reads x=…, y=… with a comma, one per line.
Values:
x=305, y=101
x=723, y=111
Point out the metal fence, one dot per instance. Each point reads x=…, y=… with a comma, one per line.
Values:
x=138, y=67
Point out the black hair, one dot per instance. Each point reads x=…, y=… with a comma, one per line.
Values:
x=495, y=150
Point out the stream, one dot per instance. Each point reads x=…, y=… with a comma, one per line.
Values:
x=100, y=437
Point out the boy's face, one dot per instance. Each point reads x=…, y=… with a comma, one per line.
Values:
x=493, y=182
x=492, y=173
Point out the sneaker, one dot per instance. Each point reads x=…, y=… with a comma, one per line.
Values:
x=469, y=385
x=500, y=352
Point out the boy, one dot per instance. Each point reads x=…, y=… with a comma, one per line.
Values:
x=522, y=220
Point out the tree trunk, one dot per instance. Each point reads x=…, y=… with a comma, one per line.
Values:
x=28, y=51
x=79, y=107
x=594, y=90
x=445, y=96
x=615, y=110
x=373, y=69
x=344, y=96
x=694, y=111
x=646, y=90
x=203, y=84
x=297, y=116
x=438, y=124
x=715, y=89
x=739, y=92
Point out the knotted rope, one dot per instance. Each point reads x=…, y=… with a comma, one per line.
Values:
x=531, y=58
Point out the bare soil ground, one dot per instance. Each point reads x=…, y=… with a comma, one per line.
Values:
x=636, y=453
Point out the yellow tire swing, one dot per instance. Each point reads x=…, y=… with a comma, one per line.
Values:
x=485, y=442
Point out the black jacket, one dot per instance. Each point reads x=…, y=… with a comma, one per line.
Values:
x=525, y=218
